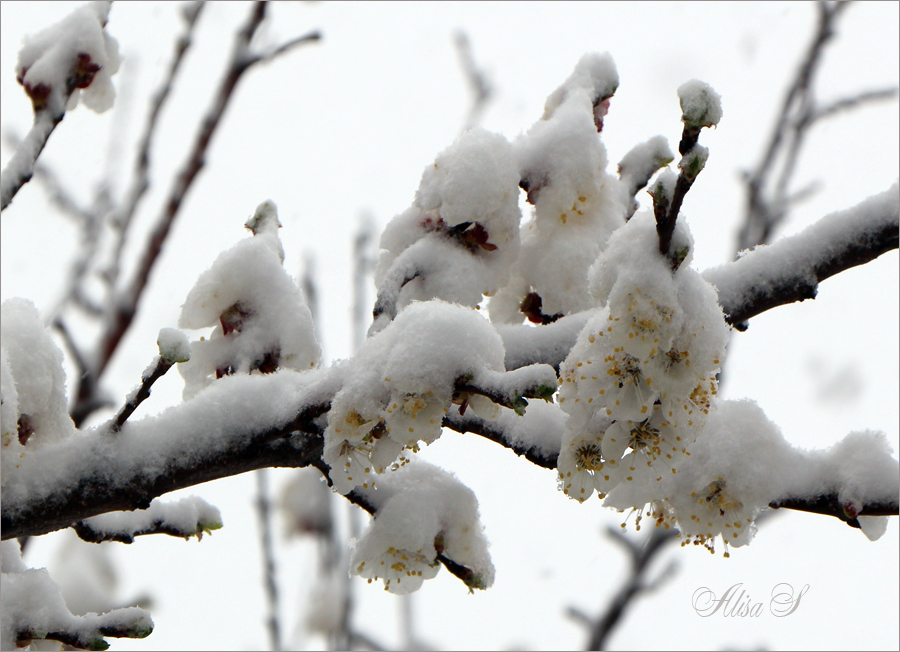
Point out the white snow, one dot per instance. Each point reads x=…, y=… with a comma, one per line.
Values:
x=34, y=384
x=173, y=345
x=192, y=516
x=793, y=260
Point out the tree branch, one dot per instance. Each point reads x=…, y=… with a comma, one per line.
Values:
x=791, y=269
x=20, y=167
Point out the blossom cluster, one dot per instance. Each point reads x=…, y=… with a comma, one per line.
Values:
x=639, y=382
x=401, y=383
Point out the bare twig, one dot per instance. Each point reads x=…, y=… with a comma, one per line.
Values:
x=273, y=623
x=768, y=183
x=640, y=556
x=853, y=102
x=150, y=376
x=482, y=90
x=141, y=177
x=125, y=303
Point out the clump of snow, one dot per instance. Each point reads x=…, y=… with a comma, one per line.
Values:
x=173, y=345
x=701, y=106
x=33, y=384
x=861, y=469
x=422, y=512
x=595, y=75
x=738, y=465
x=260, y=318
x=639, y=164
x=460, y=236
x=692, y=163
x=76, y=54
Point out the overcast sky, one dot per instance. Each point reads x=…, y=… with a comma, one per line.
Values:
x=345, y=127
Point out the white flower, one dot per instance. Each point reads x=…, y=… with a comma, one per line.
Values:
x=582, y=467
x=348, y=446
x=647, y=452
x=414, y=417
x=403, y=571
x=627, y=389
x=714, y=510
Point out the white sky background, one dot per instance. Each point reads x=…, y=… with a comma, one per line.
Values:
x=347, y=126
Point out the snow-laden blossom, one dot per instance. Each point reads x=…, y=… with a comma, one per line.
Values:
x=738, y=464
x=422, y=512
x=75, y=55
x=400, y=384
x=646, y=363
x=460, y=236
x=577, y=204
x=260, y=318
x=33, y=385
x=648, y=453
x=415, y=417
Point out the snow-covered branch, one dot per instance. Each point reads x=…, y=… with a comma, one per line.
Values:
x=791, y=269
x=195, y=442
x=186, y=518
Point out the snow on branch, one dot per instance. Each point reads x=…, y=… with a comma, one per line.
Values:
x=241, y=424
x=763, y=278
x=791, y=269
x=186, y=518
x=34, y=609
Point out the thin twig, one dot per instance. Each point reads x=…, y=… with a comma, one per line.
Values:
x=766, y=207
x=125, y=303
x=141, y=176
x=159, y=369
x=273, y=624
x=482, y=90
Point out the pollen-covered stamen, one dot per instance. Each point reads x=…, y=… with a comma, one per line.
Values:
x=717, y=498
x=645, y=438
x=588, y=457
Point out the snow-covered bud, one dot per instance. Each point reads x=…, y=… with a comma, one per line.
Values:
x=173, y=345
x=265, y=219
x=693, y=162
x=701, y=106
